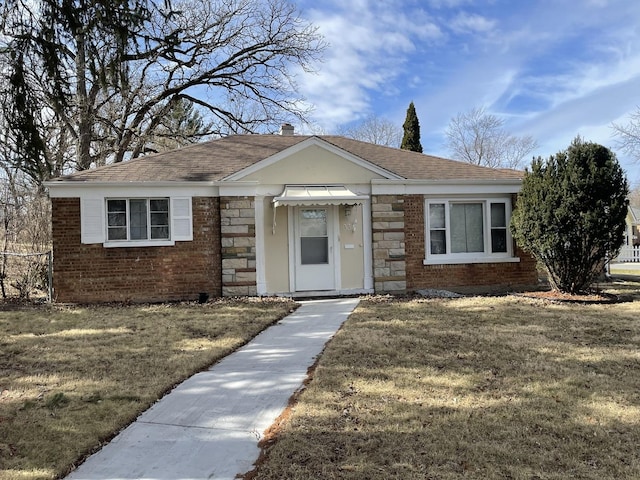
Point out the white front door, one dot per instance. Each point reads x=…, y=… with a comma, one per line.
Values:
x=314, y=248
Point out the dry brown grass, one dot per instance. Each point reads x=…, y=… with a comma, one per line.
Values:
x=70, y=378
x=478, y=388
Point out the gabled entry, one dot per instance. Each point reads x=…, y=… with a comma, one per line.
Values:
x=314, y=234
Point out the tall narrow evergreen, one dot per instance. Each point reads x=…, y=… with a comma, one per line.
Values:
x=411, y=126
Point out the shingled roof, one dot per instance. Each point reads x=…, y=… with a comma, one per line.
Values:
x=217, y=159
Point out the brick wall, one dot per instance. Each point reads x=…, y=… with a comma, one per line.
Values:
x=388, y=238
x=92, y=273
x=238, y=232
x=466, y=277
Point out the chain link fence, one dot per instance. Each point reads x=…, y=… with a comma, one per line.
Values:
x=26, y=276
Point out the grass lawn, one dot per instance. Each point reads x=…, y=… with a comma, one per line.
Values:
x=481, y=388
x=71, y=377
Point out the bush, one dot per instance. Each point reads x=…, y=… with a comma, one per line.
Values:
x=571, y=213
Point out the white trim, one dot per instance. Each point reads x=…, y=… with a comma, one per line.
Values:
x=473, y=257
x=460, y=261
x=239, y=189
x=298, y=147
x=333, y=232
x=151, y=189
x=138, y=243
x=310, y=195
x=74, y=183
x=445, y=187
x=337, y=247
x=92, y=220
x=145, y=242
x=292, y=248
x=261, y=274
x=178, y=235
x=368, y=248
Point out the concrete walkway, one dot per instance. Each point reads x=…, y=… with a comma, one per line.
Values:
x=209, y=426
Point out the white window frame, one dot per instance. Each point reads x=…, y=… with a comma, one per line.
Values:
x=146, y=242
x=472, y=257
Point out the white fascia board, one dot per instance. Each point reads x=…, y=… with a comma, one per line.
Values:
x=238, y=189
x=305, y=144
x=445, y=187
x=58, y=189
x=251, y=189
x=275, y=190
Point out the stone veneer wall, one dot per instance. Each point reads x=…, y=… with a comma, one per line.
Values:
x=238, y=240
x=477, y=277
x=388, y=238
x=92, y=273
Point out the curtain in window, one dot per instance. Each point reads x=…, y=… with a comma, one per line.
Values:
x=467, y=233
x=138, y=217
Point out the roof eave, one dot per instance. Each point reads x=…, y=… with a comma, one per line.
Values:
x=446, y=187
x=449, y=181
x=100, y=183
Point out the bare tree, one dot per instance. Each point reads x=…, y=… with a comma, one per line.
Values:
x=374, y=129
x=479, y=138
x=628, y=135
x=114, y=82
x=634, y=197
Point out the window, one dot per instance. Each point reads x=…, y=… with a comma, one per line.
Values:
x=314, y=239
x=498, y=227
x=468, y=231
x=138, y=219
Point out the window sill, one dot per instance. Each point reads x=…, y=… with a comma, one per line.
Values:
x=139, y=243
x=462, y=261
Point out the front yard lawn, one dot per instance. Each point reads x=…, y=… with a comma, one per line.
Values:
x=473, y=388
x=72, y=377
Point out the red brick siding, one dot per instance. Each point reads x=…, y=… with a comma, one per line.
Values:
x=488, y=275
x=93, y=274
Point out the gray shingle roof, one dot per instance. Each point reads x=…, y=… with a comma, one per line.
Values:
x=217, y=159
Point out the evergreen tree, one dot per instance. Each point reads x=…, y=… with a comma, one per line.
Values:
x=89, y=82
x=571, y=213
x=411, y=126
x=182, y=125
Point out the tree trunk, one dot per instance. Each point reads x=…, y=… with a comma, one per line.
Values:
x=83, y=149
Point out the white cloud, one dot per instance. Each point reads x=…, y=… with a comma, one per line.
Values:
x=369, y=46
x=449, y=3
x=552, y=69
x=472, y=23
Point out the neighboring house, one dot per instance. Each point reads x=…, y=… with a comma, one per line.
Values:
x=632, y=232
x=283, y=215
x=630, y=251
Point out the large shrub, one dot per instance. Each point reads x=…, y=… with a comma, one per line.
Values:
x=571, y=213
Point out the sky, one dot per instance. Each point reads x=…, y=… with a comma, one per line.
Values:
x=552, y=69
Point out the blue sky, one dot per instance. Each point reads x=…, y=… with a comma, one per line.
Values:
x=551, y=69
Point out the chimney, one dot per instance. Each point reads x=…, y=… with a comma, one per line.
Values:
x=286, y=129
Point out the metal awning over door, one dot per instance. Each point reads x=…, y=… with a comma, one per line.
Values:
x=309, y=195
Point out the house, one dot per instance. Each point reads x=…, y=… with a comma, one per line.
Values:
x=283, y=215
x=630, y=251
x=632, y=230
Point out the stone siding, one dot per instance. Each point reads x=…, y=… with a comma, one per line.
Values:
x=388, y=238
x=238, y=241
